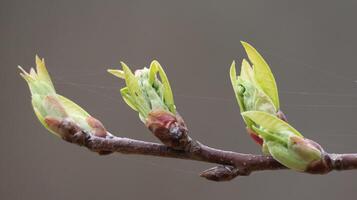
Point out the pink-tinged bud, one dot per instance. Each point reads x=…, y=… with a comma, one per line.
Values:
x=69, y=130
x=63, y=127
x=168, y=128
x=97, y=127
x=320, y=165
x=305, y=148
x=313, y=153
x=255, y=136
x=53, y=124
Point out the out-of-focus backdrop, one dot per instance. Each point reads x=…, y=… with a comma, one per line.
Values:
x=310, y=46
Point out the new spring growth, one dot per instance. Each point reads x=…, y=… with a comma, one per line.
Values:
x=152, y=98
x=257, y=95
x=285, y=143
x=255, y=87
x=58, y=114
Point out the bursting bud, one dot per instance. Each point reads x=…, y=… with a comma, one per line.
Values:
x=151, y=96
x=58, y=114
x=284, y=142
x=255, y=88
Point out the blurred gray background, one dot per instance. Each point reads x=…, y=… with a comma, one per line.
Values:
x=310, y=46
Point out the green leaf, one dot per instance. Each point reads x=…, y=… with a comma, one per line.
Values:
x=254, y=98
x=287, y=157
x=131, y=81
x=128, y=98
x=304, y=148
x=248, y=94
x=237, y=88
x=39, y=82
x=235, y=85
x=247, y=72
x=42, y=72
x=42, y=120
x=271, y=122
x=268, y=136
x=168, y=96
x=117, y=73
x=135, y=91
x=75, y=112
x=71, y=107
x=262, y=73
x=233, y=75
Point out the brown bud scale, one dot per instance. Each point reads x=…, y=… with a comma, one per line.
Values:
x=168, y=128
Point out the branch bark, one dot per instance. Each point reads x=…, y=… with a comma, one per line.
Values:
x=231, y=164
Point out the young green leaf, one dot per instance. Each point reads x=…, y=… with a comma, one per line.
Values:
x=42, y=71
x=117, y=73
x=42, y=121
x=72, y=107
x=168, y=96
x=235, y=85
x=270, y=122
x=135, y=91
x=254, y=98
x=128, y=98
x=286, y=156
x=262, y=73
x=269, y=136
x=233, y=75
x=247, y=72
x=238, y=91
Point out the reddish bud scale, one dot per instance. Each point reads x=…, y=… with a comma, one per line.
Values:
x=97, y=127
x=64, y=127
x=321, y=166
x=168, y=128
x=98, y=130
x=68, y=129
x=255, y=137
x=55, y=105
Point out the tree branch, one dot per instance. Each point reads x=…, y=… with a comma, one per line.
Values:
x=232, y=164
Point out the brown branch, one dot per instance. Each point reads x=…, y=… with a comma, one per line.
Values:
x=232, y=164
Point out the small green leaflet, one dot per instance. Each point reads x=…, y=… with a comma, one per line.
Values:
x=135, y=91
x=71, y=107
x=42, y=120
x=168, y=96
x=42, y=72
x=234, y=81
x=270, y=122
x=262, y=73
x=286, y=156
x=247, y=72
x=117, y=73
x=128, y=98
x=254, y=98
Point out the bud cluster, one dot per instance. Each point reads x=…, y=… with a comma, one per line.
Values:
x=258, y=100
x=152, y=98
